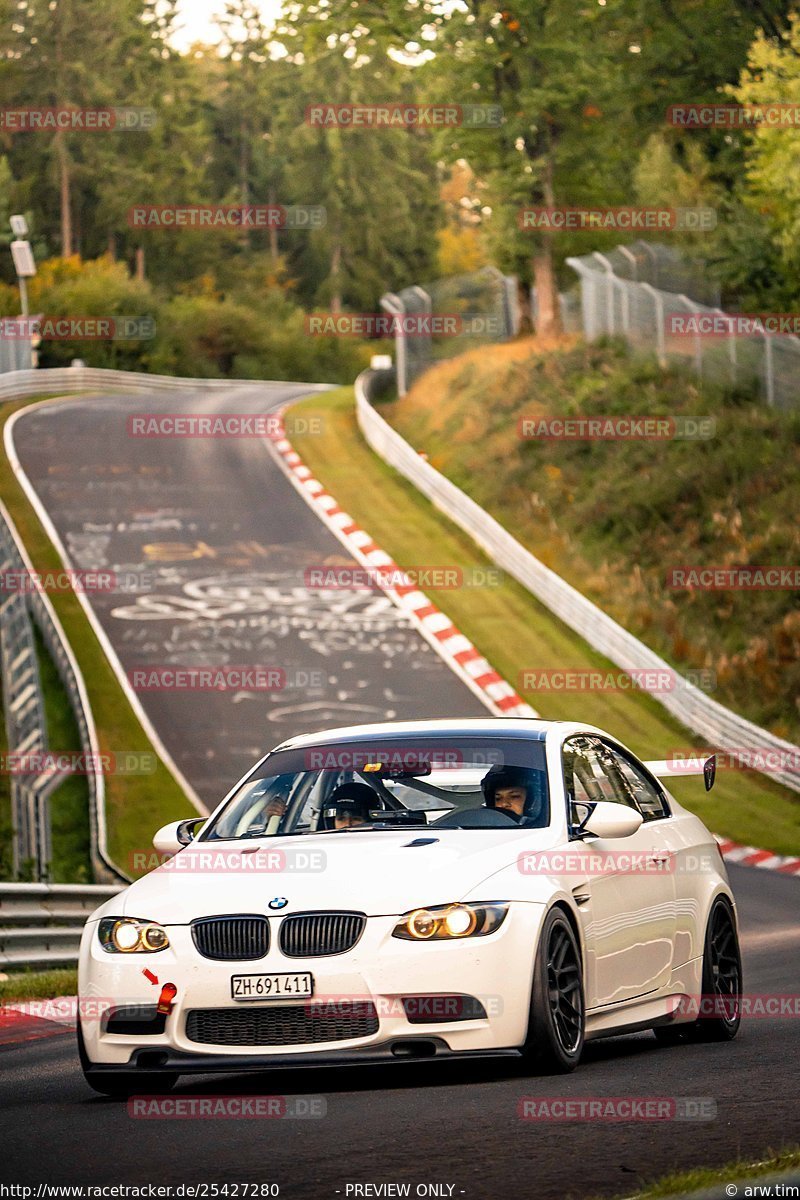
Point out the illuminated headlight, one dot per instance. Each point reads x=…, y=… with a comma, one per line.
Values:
x=128, y=935
x=450, y=921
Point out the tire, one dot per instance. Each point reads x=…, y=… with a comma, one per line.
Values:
x=122, y=1084
x=554, y=1042
x=721, y=984
x=722, y=977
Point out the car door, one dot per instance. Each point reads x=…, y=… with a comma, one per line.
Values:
x=626, y=891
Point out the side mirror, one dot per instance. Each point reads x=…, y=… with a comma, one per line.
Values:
x=173, y=837
x=608, y=820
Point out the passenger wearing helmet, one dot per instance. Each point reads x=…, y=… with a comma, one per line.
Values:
x=515, y=791
x=349, y=805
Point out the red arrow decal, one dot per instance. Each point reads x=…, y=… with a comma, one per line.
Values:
x=149, y=975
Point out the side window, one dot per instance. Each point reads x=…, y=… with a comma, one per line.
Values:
x=585, y=779
x=643, y=792
x=591, y=774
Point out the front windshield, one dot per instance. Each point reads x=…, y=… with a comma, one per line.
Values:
x=396, y=783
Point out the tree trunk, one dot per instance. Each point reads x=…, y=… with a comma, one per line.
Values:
x=65, y=195
x=548, y=309
x=273, y=233
x=524, y=305
x=336, y=286
x=140, y=263
x=244, y=176
x=112, y=246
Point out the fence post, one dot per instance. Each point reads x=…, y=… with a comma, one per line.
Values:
x=626, y=253
x=731, y=346
x=698, y=346
x=609, y=270
x=769, y=369
x=661, y=351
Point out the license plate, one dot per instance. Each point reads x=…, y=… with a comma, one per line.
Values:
x=272, y=987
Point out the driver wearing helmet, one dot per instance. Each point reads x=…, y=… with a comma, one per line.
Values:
x=515, y=792
x=349, y=805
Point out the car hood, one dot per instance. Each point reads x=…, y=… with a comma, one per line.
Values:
x=380, y=873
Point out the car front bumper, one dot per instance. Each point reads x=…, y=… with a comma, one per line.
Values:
x=380, y=970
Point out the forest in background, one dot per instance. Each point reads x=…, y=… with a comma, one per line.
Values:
x=584, y=90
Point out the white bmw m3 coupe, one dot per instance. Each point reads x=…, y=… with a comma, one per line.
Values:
x=415, y=890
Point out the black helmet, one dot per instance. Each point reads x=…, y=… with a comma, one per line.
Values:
x=500, y=776
x=351, y=799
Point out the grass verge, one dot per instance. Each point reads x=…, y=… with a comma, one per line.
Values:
x=69, y=804
x=616, y=517
x=686, y=1182
x=135, y=805
x=39, y=985
x=513, y=630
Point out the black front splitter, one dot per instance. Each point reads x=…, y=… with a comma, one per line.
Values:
x=413, y=1050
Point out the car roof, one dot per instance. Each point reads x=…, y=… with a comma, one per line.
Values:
x=529, y=728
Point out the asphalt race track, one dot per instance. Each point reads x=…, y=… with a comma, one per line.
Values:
x=449, y=1123
x=214, y=543
x=455, y=1125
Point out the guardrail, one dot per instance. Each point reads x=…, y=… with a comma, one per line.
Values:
x=16, y=385
x=711, y=721
x=26, y=727
x=41, y=924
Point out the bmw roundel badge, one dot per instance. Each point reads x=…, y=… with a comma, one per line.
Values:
x=278, y=902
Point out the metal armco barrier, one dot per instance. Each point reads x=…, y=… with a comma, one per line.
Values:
x=25, y=722
x=716, y=725
x=41, y=924
x=26, y=730
x=15, y=385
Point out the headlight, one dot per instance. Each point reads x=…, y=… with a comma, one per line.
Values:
x=129, y=935
x=450, y=921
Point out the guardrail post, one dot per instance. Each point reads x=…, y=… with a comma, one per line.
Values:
x=394, y=305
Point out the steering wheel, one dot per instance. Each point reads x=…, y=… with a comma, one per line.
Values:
x=474, y=818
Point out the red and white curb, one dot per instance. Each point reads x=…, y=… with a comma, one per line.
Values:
x=435, y=626
x=31, y=1020
x=750, y=856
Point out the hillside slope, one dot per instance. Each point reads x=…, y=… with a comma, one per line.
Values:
x=615, y=517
